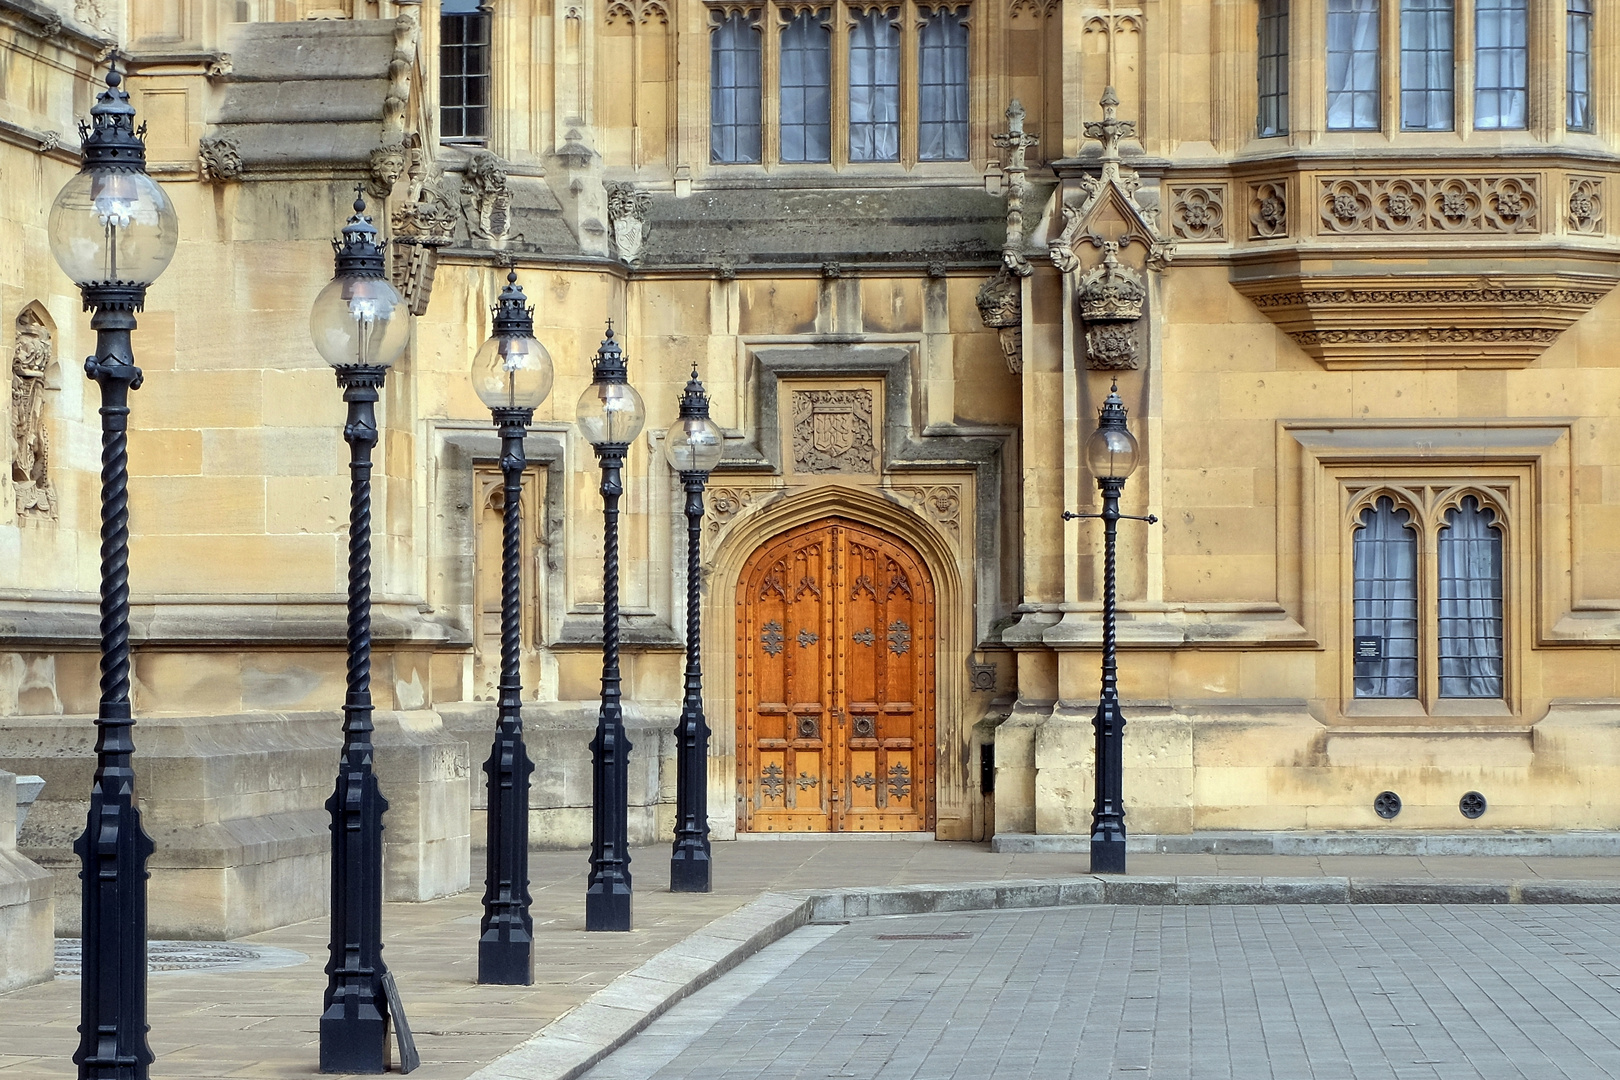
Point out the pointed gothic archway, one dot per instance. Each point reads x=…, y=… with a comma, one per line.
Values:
x=835, y=637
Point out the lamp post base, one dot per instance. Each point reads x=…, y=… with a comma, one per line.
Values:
x=689, y=870
x=506, y=962
x=607, y=906
x=355, y=1044
x=1107, y=854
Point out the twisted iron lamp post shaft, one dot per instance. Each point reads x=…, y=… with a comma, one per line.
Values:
x=354, y=1023
x=506, y=934
x=689, y=865
x=608, y=893
x=114, y=847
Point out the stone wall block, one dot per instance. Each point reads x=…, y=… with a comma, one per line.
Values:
x=425, y=772
x=27, y=904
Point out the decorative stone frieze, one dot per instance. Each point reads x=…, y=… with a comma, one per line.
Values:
x=1585, y=205
x=939, y=503
x=1198, y=212
x=1433, y=321
x=1435, y=204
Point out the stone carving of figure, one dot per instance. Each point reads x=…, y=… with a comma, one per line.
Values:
x=387, y=166
x=30, y=458
x=627, y=217
x=486, y=204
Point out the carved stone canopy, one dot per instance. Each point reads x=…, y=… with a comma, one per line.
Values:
x=1437, y=320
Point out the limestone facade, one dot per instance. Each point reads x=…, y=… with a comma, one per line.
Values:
x=1301, y=324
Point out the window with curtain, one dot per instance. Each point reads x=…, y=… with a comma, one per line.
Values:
x=1470, y=551
x=1273, y=68
x=1501, y=64
x=463, y=71
x=806, y=88
x=1385, y=602
x=1578, y=66
x=1352, y=68
x=942, y=87
x=874, y=85
x=1427, y=65
x=734, y=90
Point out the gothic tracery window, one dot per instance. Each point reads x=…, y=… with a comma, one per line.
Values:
x=1470, y=552
x=1578, y=65
x=942, y=126
x=734, y=89
x=806, y=90
x=874, y=85
x=1386, y=602
x=1273, y=68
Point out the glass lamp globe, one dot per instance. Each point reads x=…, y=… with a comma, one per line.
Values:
x=512, y=370
x=610, y=413
x=1111, y=450
x=113, y=224
x=359, y=320
x=694, y=444
x=1111, y=453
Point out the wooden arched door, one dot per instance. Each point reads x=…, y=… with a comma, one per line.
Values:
x=835, y=683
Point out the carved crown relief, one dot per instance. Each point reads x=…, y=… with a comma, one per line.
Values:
x=1110, y=219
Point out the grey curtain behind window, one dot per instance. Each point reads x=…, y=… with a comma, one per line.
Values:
x=1385, y=556
x=1470, y=550
x=874, y=87
x=1578, y=66
x=1501, y=64
x=942, y=128
x=1427, y=65
x=734, y=92
x=807, y=88
x=1352, y=72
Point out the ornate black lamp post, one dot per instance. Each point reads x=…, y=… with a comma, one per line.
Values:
x=360, y=326
x=610, y=417
x=693, y=446
x=1111, y=453
x=113, y=231
x=512, y=374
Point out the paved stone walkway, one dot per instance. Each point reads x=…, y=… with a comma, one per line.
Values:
x=1396, y=992
x=263, y=1023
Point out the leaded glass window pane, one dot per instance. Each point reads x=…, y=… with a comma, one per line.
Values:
x=807, y=88
x=1470, y=550
x=463, y=72
x=942, y=105
x=734, y=91
x=1427, y=65
x=1385, y=601
x=874, y=86
x=1273, y=70
x=1501, y=64
x=1578, y=67
x=1352, y=70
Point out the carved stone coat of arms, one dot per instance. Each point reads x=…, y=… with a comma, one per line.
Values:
x=832, y=431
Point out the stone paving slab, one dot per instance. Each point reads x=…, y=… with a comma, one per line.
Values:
x=1286, y=992
x=264, y=1023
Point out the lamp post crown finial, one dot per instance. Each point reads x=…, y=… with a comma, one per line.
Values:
x=694, y=399
x=110, y=141
x=609, y=365
x=512, y=311
x=358, y=251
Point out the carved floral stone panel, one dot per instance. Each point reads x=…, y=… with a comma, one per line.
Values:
x=832, y=431
x=1434, y=204
x=1268, y=209
x=1585, y=205
x=1198, y=212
